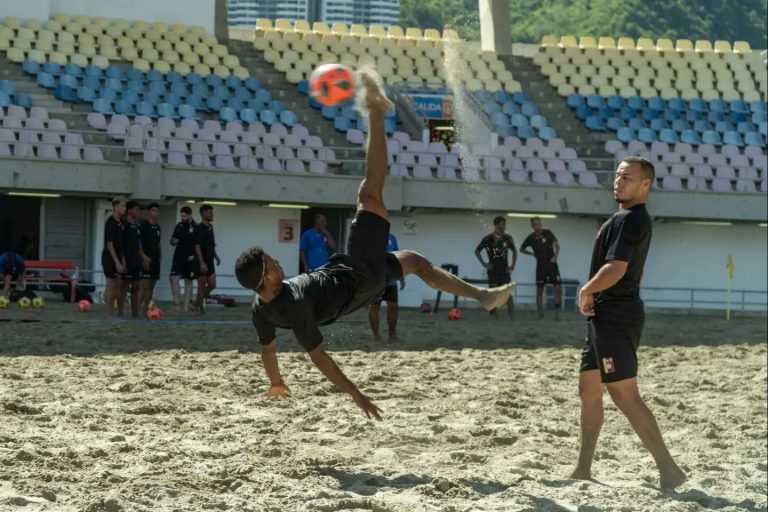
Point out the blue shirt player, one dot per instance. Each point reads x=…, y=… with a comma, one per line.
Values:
x=316, y=245
x=390, y=296
x=12, y=268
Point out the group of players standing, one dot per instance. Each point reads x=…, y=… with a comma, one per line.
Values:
x=541, y=244
x=132, y=256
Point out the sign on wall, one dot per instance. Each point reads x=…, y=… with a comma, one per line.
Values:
x=287, y=231
x=432, y=106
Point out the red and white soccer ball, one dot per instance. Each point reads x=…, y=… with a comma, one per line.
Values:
x=84, y=306
x=454, y=314
x=155, y=314
x=331, y=84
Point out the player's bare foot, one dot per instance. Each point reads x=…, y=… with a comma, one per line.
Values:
x=375, y=99
x=377, y=338
x=581, y=474
x=393, y=339
x=669, y=480
x=492, y=298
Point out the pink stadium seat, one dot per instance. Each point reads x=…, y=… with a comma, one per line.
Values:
x=512, y=142
x=285, y=153
x=703, y=171
x=716, y=160
x=23, y=150
x=612, y=146
x=225, y=162
x=541, y=178
x=430, y=160
x=725, y=171
x=746, y=186
x=661, y=169
x=248, y=163
x=707, y=149
x=190, y=124
x=480, y=148
x=257, y=128
x=229, y=136
x=305, y=154
x=408, y=159
x=564, y=178
x=151, y=154
x=670, y=158
x=502, y=152
x=535, y=164
x=401, y=137
x=272, y=165
x=47, y=152
x=300, y=131
x=295, y=166
x=754, y=152
x=722, y=185
x=251, y=138
x=670, y=182
x=588, y=179
x=178, y=153
x=38, y=113
x=450, y=161
x=96, y=121
x=165, y=128
x=241, y=149
x=2, y=113
x=730, y=150
x=31, y=134
x=12, y=122
x=494, y=175
x=7, y=135
x=234, y=126
x=92, y=154
x=207, y=135
x=518, y=175
x=313, y=141
x=200, y=154
x=524, y=152
x=271, y=139
x=398, y=170
x=415, y=146
x=556, y=166
x=213, y=126
x=293, y=141
x=422, y=172
x=278, y=129
x=50, y=137
x=317, y=166
x=534, y=143
x=659, y=148
x=636, y=147
x=764, y=186
x=694, y=159
x=557, y=144
x=184, y=133
x=355, y=137
x=134, y=140
x=17, y=112
x=57, y=125
x=5, y=149
x=568, y=154
x=577, y=166
x=547, y=153
x=697, y=183
x=740, y=161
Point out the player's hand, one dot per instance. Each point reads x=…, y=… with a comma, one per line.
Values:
x=278, y=391
x=369, y=408
x=487, y=266
x=511, y=268
x=119, y=268
x=586, y=303
x=402, y=284
x=203, y=268
x=218, y=261
x=553, y=259
x=147, y=261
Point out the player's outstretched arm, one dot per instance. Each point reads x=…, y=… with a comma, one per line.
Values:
x=330, y=369
x=277, y=388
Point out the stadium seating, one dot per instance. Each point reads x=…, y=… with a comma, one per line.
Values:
x=10, y=96
x=32, y=134
x=514, y=114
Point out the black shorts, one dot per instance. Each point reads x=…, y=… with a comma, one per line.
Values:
x=153, y=272
x=133, y=271
x=390, y=294
x=374, y=266
x=108, y=266
x=499, y=279
x=613, y=336
x=186, y=269
x=547, y=274
x=211, y=269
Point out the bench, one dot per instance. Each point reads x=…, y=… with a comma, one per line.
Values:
x=66, y=272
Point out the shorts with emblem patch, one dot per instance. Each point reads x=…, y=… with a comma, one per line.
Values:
x=613, y=336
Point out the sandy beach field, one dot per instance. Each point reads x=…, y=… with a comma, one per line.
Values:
x=480, y=415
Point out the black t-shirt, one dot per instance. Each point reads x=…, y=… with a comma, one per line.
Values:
x=150, y=240
x=206, y=241
x=186, y=234
x=626, y=236
x=497, y=248
x=114, y=232
x=543, y=245
x=132, y=243
x=308, y=301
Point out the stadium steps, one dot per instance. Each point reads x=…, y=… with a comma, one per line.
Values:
x=588, y=145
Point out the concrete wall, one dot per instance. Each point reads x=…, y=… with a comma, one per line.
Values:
x=189, y=12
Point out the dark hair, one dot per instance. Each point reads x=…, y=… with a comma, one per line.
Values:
x=204, y=208
x=117, y=200
x=498, y=220
x=186, y=209
x=536, y=218
x=249, y=268
x=152, y=205
x=132, y=204
x=649, y=173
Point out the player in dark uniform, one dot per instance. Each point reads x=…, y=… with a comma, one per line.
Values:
x=184, y=265
x=349, y=281
x=112, y=261
x=611, y=300
x=132, y=255
x=205, y=251
x=546, y=250
x=497, y=245
x=151, y=255
x=390, y=296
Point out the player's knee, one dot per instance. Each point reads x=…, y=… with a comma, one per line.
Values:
x=590, y=393
x=413, y=262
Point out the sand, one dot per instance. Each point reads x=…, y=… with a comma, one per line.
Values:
x=480, y=415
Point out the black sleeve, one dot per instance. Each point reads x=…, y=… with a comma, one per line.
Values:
x=483, y=244
x=552, y=236
x=264, y=331
x=177, y=232
x=302, y=319
x=511, y=244
x=624, y=237
x=111, y=233
x=526, y=242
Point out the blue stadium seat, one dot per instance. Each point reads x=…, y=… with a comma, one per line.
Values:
x=502, y=96
x=70, y=81
x=214, y=80
x=23, y=100
x=502, y=131
x=248, y=115
x=102, y=106
x=714, y=117
x=745, y=127
x=221, y=91
x=649, y=114
x=595, y=101
x=242, y=94
x=235, y=103
x=499, y=119
x=362, y=124
x=166, y=110
x=529, y=109
x=268, y=117
x=30, y=67
x=604, y=112
x=145, y=109
x=5, y=99
x=312, y=103
x=616, y=102
x=614, y=123
x=200, y=90
x=233, y=82
x=64, y=93
x=73, y=69
x=483, y=96
x=723, y=126
x=256, y=105
x=520, y=97
x=52, y=68
x=758, y=106
x=152, y=98
x=595, y=123
x=519, y=121
x=657, y=103
x=754, y=139
x=759, y=117
x=547, y=133
x=263, y=96
x=583, y=112
x=627, y=113
x=646, y=135
x=659, y=124
x=539, y=121
x=636, y=103
x=670, y=115
x=491, y=108
x=85, y=94
x=718, y=105
x=525, y=132
x=124, y=107
x=692, y=115
x=108, y=94
x=303, y=87
x=689, y=136
x=214, y=103
x=762, y=130
x=697, y=105
x=711, y=137
x=276, y=106
x=179, y=89
x=196, y=102
x=289, y=119
x=134, y=74
x=680, y=125
x=187, y=111
x=702, y=125
x=194, y=78
x=668, y=136
x=738, y=106
x=677, y=104
x=130, y=96
x=510, y=109
x=154, y=75
x=739, y=117
x=254, y=84
x=636, y=124
x=92, y=70
x=732, y=137
x=113, y=72
x=134, y=85
x=174, y=99
x=328, y=112
x=113, y=83
x=174, y=77
x=228, y=114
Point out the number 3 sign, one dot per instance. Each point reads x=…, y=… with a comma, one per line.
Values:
x=287, y=231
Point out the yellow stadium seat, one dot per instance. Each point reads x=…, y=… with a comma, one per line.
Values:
x=723, y=47
x=163, y=46
x=240, y=72
x=209, y=39
x=145, y=44
x=587, y=42
x=260, y=44
x=82, y=20
x=32, y=24
x=626, y=43
x=141, y=65
x=450, y=34
x=283, y=25
x=202, y=69
x=85, y=40
x=182, y=68
x=150, y=55
x=129, y=54
x=302, y=26
x=15, y=55
x=605, y=43
x=684, y=45
x=703, y=46
x=100, y=21
x=36, y=55
x=320, y=27
x=26, y=33
x=22, y=44
x=58, y=57
x=125, y=42
x=172, y=37
x=53, y=26
x=180, y=28
x=87, y=50
x=61, y=18
x=645, y=44
x=377, y=31
x=45, y=35
x=432, y=35
x=358, y=30
x=119, y=23
x=153, y=35
x=109, y=52
x=413, y=33
x=170, y=57
x=6, y=32
x=79, y=59
x=140, y=25
x=160, y=27
x=222, y=71
x=568, y=42
x=113, y=32
x=100, y=61
x=395, y=32
x=219, y=50
x=134, y=33
x=211, y=60
x=741, y=47
x=196, y=30
x=12, y=22
x=104, y=40
x=549, y=41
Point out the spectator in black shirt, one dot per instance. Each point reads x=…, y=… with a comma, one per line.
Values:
x=611, y=301
x=184, y=263
x=132, y=256
x=205, y=250
x=349, y=281
x=151, y=255
x=497, y=245
x=546, y=250
x=112, y=261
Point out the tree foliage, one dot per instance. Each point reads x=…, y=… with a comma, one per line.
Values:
x=744, y=20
